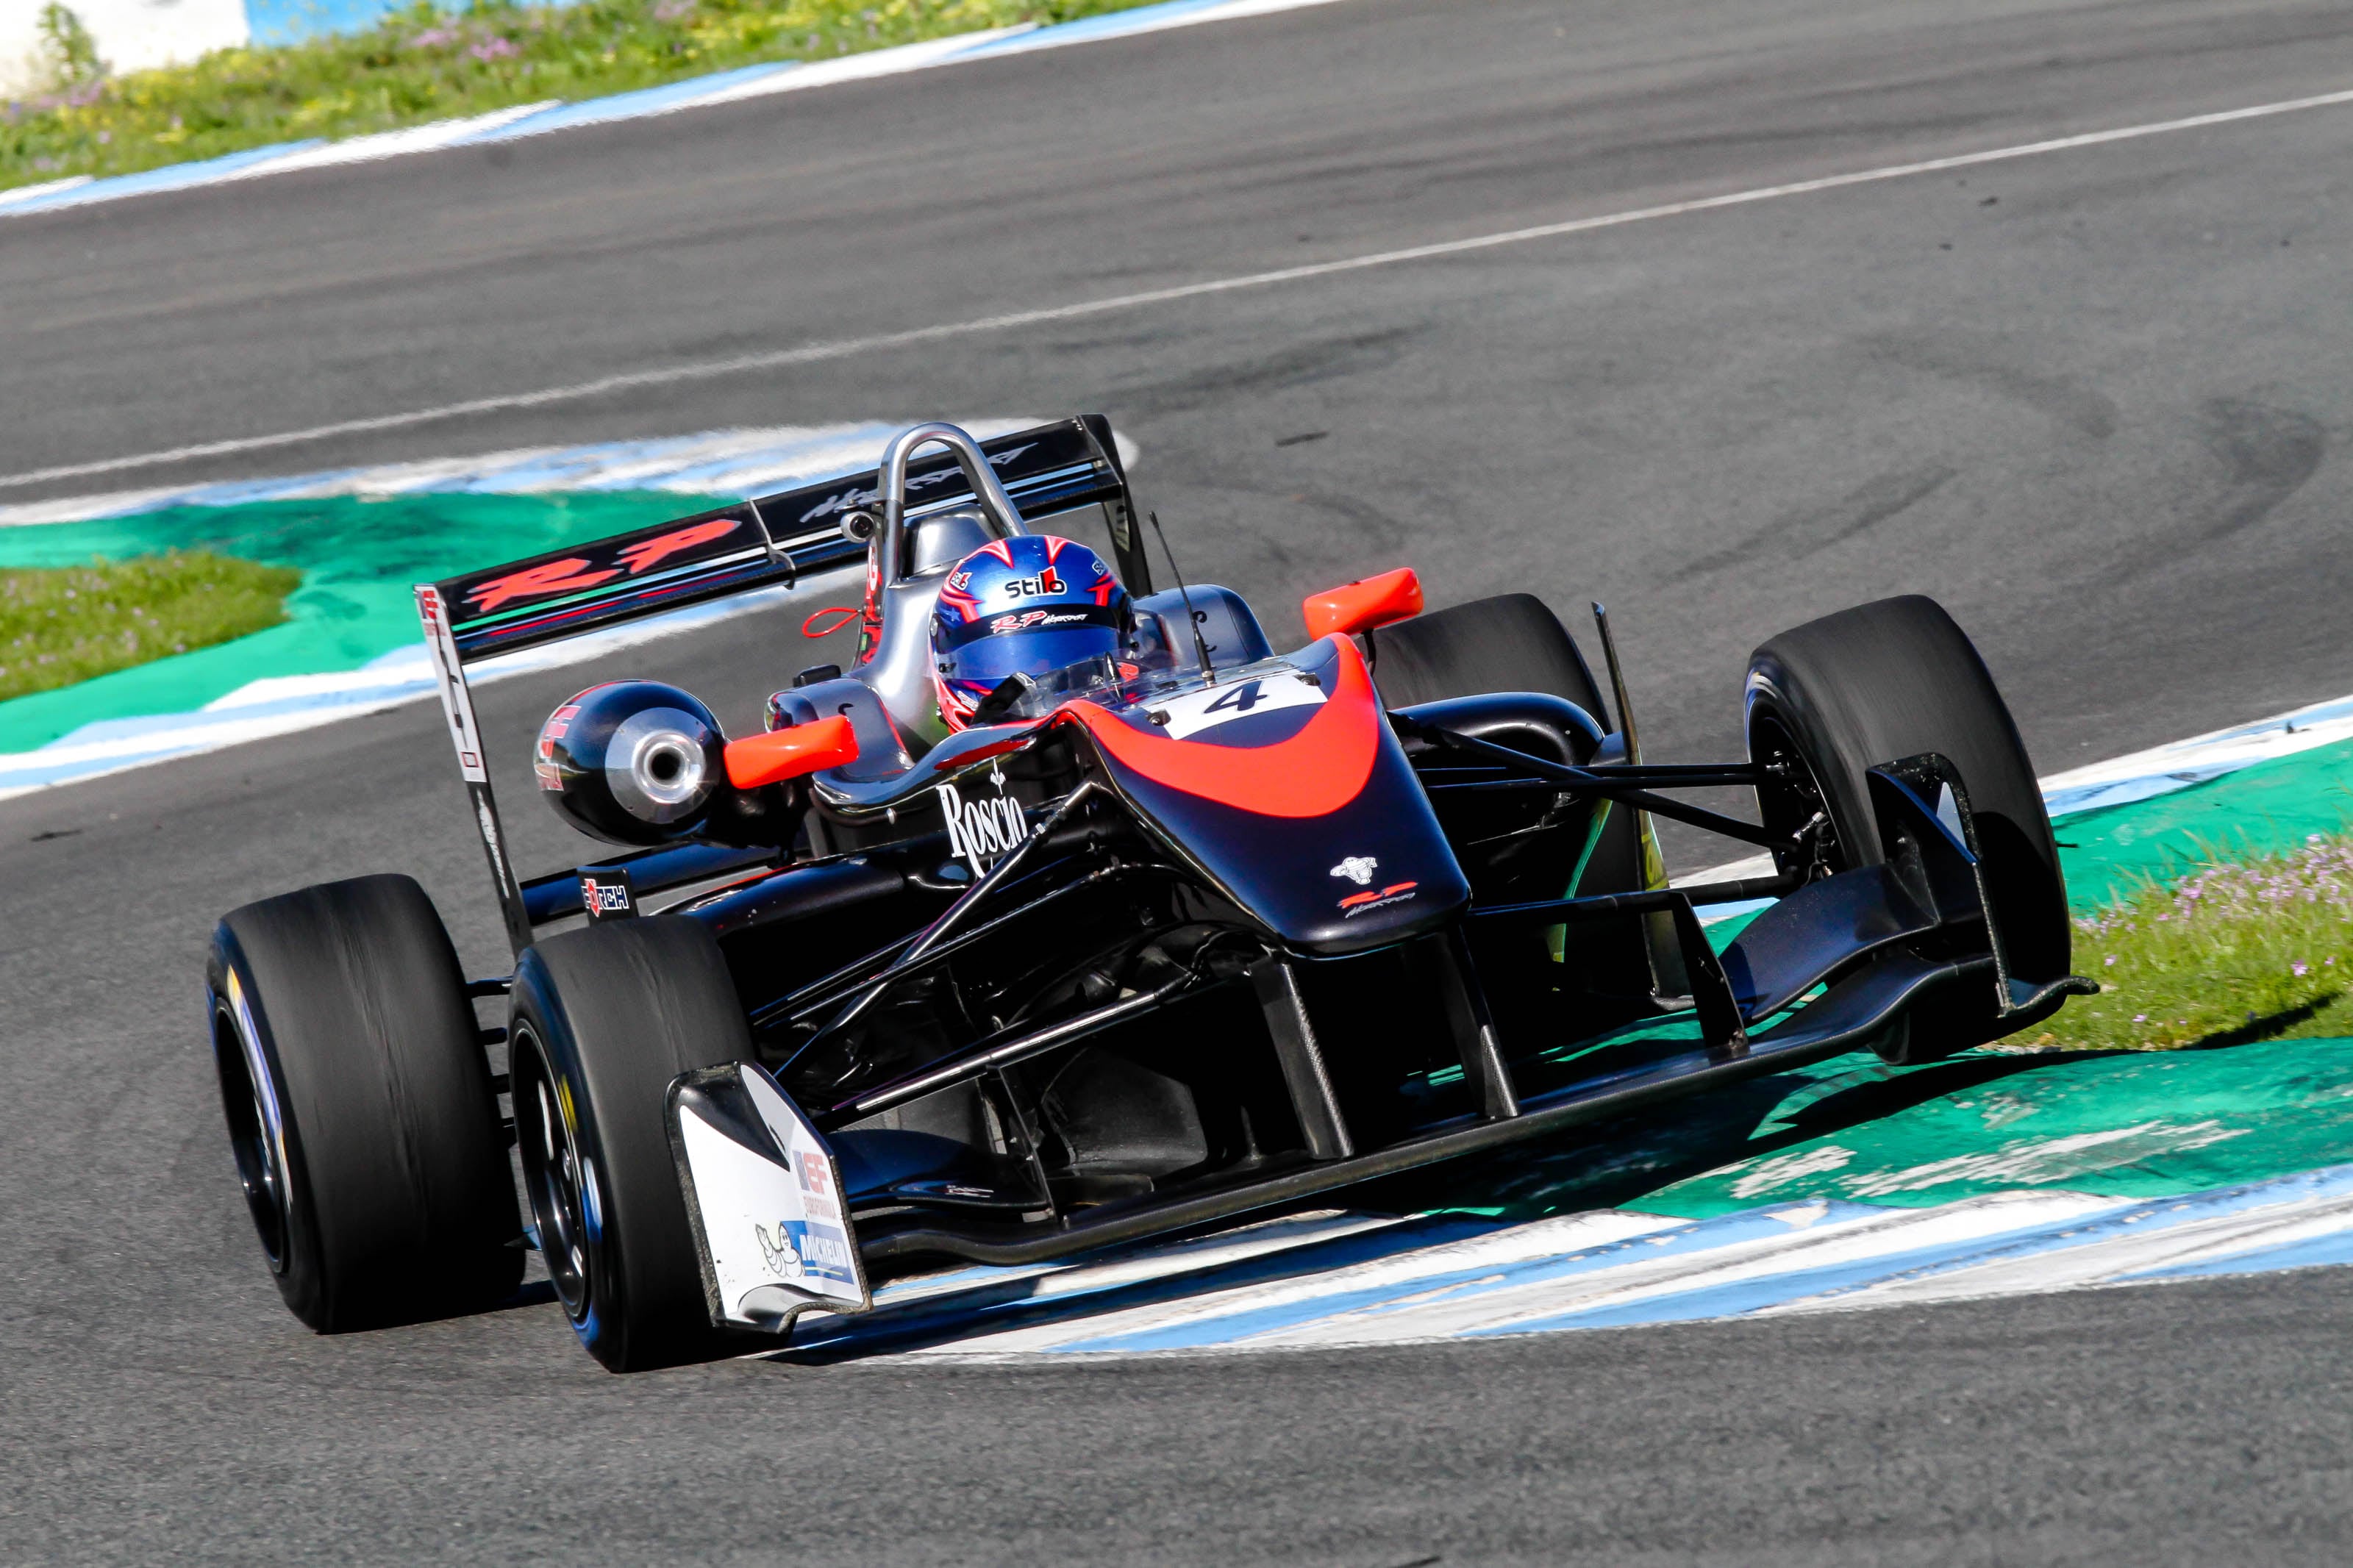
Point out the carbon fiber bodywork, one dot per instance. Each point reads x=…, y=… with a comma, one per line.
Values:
x=1232, y=932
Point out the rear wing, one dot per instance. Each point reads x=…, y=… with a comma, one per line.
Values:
x=760, y=543
x=774, y=540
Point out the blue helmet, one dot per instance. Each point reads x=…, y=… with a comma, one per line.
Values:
x=1030, y=605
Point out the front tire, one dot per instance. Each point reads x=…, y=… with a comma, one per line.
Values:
x=1837, y=697
x=1512, y=642
x=359, y=1107
x=603, y=1019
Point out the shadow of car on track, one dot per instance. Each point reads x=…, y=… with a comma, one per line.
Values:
x=1619, y=1163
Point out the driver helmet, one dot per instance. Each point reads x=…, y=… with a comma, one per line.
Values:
x=1029, y=606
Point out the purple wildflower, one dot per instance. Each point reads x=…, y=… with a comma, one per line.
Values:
x=2300, y=968
x=494, y=49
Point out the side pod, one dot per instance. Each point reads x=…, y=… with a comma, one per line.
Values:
x=763, y=1193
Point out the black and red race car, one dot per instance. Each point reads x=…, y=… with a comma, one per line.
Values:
x=1204, y=931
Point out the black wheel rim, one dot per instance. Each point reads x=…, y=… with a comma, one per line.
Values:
x=557, y=1179
x=1795, y=798
x=257, y=1134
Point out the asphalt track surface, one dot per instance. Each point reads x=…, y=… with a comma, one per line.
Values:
x=2094, y=401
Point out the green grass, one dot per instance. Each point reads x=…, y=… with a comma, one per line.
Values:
x=62, y=625
x=424, y=65
x=2240, y=947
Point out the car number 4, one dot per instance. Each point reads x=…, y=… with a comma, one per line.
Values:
x=1215, y=705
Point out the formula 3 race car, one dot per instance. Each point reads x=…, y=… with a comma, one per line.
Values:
x=1158, y=942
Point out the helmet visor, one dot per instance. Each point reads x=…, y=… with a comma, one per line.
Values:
x=985, y=660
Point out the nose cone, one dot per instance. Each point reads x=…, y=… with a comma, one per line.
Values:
x=1375, y=871
x=1323, y=835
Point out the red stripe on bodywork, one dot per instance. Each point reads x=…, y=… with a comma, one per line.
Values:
x=981, y=754
x=1313, y=774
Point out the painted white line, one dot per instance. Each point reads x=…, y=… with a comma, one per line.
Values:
x=1385, y=1270
x=964, y=1288
x=693, y=93
x=711, y=462
x=878, y=343
x=23, y=195
x=2160, y=770
x=849, y=67
x=1334, y=1279
x=392, y=143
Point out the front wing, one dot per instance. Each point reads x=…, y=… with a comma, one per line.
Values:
x=1830, y=968
x=763, y=1193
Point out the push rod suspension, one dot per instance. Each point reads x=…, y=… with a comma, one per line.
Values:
x=1557, y=911
x=957, y=916
x=989, y=1059
x=881, y=965
x=1696, y=779
x=1594, y=782
x=1681, y=776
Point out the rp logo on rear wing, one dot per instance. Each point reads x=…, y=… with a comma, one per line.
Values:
x=774, y=539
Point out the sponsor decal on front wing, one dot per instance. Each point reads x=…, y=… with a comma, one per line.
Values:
x=769, y=1208
x=800, y=1249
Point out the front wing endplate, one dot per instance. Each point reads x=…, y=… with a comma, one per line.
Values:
x=762, y=1194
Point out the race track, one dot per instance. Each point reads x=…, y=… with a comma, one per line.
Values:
x=2093, y=399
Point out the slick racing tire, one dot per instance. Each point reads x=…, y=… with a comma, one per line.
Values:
x=1892, y=679
x=603, y=1019
x=1510, y=643
x=360, y=1107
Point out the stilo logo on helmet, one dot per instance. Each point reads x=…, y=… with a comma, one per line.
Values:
x=1029, y=606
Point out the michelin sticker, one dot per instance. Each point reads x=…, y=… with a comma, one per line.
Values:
x=777, y=1236
x=1214, y=705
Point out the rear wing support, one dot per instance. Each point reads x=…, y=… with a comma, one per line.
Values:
x=458, y=706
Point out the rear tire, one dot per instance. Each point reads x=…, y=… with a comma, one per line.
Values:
x=603, y=1019
x=360, y=1107
x=1893, y=679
